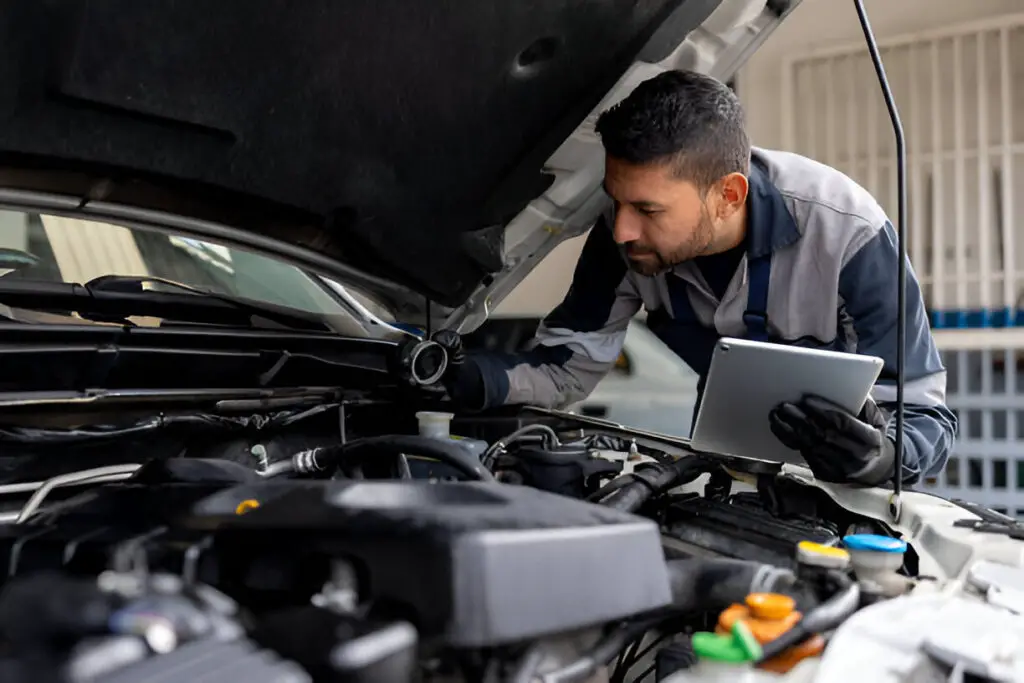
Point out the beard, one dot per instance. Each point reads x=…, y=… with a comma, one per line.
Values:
x=647, y=260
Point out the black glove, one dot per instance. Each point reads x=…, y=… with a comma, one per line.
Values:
x=838, y=446
x=462, y=379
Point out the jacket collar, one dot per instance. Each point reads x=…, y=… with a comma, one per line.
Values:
x=770, y=225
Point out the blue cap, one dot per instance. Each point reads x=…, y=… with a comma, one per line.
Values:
x=875, y=543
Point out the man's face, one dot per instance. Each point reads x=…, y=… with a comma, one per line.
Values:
x=661, y=220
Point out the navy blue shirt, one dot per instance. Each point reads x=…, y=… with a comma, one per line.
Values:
x=718, y=269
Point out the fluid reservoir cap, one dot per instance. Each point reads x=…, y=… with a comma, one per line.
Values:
x=874, y=543
x=818, y=555
x=434, y=425
x=770, y=605
x=718, y=648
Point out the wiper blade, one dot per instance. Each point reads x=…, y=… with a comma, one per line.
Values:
x=114, y=298
x=133, y=284
x=989, y=521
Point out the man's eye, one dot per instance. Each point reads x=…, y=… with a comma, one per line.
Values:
x=648, y=212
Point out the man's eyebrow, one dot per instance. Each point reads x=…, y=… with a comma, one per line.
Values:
x=646, y=205
x=642, y=204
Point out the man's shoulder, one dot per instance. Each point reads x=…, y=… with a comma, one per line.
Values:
x=824, y=202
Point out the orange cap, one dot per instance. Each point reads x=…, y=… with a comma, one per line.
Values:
x=770, y=605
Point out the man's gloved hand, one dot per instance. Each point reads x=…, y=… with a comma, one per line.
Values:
x=838, y=446
x=462, y=379
x=452, y=343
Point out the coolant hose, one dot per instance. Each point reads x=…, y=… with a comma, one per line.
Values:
x=700, y=584
x=653, y=479
x=328, y=458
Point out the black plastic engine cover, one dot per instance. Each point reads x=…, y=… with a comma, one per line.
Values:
x=741, y=528
x=473, y=564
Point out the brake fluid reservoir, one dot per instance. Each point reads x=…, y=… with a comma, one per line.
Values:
x=436, y=425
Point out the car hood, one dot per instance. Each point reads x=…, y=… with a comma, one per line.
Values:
x=423, y=151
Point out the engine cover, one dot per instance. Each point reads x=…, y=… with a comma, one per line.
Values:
x=472, y=564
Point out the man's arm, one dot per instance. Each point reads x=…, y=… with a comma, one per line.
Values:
x=576, y=344
x=868, y=287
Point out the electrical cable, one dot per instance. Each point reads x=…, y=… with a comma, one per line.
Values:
x=33, y=436
x=500, y=445
x=631, y=657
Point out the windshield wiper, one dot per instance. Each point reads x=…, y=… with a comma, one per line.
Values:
x=133, y=284
x=989, y=521
x=114, y=298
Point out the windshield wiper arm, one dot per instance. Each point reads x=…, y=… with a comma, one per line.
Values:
x=989, y=521
x=114, y=298
x=133, y=284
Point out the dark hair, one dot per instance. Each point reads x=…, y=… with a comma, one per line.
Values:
x=688, y=119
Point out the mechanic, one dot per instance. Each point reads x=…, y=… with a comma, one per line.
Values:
x=715, y=238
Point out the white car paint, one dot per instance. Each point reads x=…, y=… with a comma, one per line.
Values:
x=657, y=392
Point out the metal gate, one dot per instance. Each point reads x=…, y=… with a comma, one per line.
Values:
x=961, y=96
x=986, y=390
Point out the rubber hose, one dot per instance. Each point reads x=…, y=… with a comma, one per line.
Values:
x=449, y=453
x=700, y=584
x=653, y=480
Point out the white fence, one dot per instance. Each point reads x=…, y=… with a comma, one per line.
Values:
x=986, y=389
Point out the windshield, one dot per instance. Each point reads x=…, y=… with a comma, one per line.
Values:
x=49, y=248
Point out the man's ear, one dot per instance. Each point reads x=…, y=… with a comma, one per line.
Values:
x=733, y=190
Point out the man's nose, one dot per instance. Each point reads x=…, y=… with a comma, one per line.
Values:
x=627, y=227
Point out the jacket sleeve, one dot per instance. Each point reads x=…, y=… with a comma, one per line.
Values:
x=867, y=286
x=577, y=343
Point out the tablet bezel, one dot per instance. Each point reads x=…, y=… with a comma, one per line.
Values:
x=747, y=379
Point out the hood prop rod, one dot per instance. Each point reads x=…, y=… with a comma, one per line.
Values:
x=901, y=229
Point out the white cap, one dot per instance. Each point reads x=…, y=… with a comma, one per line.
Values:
x=435, y=425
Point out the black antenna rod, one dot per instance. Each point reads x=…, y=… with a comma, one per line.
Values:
x=901, y=230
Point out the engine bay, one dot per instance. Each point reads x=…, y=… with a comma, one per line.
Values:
x=352, y=542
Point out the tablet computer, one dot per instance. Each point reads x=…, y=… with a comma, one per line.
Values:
x=747, y=379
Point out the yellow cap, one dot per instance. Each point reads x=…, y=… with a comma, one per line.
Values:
x=246, y=505
x=820, y=555
x=770, y=605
